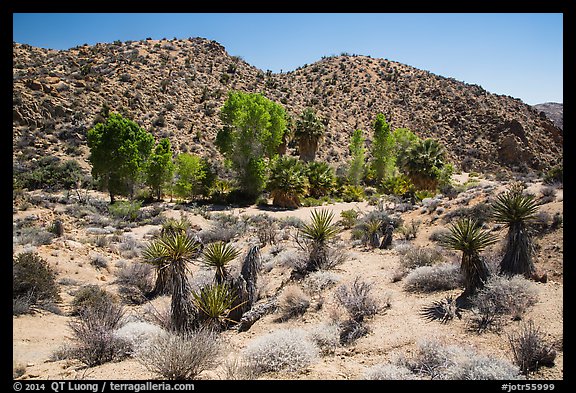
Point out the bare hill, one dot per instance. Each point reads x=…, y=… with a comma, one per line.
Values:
x=554, y=111
x=175, y=88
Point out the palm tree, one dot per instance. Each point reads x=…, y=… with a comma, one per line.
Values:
x=218, y=255
x=321, y=178
x=423, y=162
x=514, y=209
x=287, y=182
x=319, y=232
x=173, y=252
x=309, y=131
x=467, y=236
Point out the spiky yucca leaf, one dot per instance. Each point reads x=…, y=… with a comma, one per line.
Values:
x=218, y=255
x=467, y=236
x=321, y=228
x=513, y=207
x=215, y=304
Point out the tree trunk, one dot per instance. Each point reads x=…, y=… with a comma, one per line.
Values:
x=250, y=317
x=475, y=272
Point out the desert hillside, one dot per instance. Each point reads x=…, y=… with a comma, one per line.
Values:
x=175, y=88
x=368, y=285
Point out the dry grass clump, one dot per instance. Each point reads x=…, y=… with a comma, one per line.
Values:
x=293, y=302
x=436, y=360
x=282, y=350
x=180, y=357
x=93, y=334
x=531, y=348
x=501, y=297
x=381, y=372
x=441, y=277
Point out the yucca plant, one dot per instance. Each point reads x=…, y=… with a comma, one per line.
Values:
x=467, y=236
x=287, y=182
x=171, y=225
x=372, y=232
x=218, y=255
x=515, y=209
x=214, y=302
x=172, y=252
x=319, y=232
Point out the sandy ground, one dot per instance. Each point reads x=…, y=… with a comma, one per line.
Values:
x=36, y=337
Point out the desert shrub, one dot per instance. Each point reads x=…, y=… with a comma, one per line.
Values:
x=389, y=372
x=348, y=218
x=135, y=281
x=530, y=348
x=409, y=231
x=503, y=296
x=413, y=257
x=129, y=247
x=238, y=368
x=93, y=334
x=440, y=277
x=436, y=360
x=33, y=281
x=137, y=334
x=438, y=234
x=320, y=280
x=351, y=330
x=326, y=336
x=125, y=210
x=90, y=296
x=180, y=357
x=282, y=350
x=357, y=300
x=33, y=235
x=99, y=261
x=554, y=175
x=293, y=302
x=481, y=212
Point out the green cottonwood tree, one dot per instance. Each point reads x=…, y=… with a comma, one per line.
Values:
x=357, y=151
x=119, y=149
x=383, y=158
x=160, y=168
x=252, y=132
x=194, y=176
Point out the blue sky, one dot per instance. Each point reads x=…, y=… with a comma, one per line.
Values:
x=516, y=54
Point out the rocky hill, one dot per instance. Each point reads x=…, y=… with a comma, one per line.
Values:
x=554, y=111
x=175, y=88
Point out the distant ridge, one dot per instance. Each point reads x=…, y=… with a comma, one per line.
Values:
x=175, y=88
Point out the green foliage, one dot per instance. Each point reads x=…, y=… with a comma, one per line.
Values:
x=33, y=279
x=554, y=175
x=215, y=301
x=404, y=139
x=125, y=210
x=357, y=151
x=309, y=131
x=119, y=149
x=348, y=218
x=423, y=163
x=194, y=176
x=321, y=229
x=253, y=130
x=383, y=143
x=160, y=168
x=50, y=173
x=287, y=182
x=352, y=193
x=321, y=178
x=399, y=185
x=217, y=255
